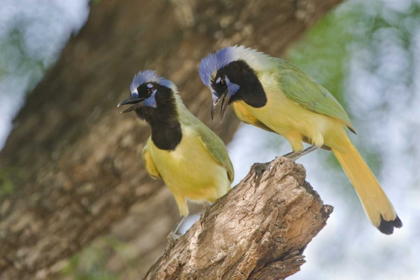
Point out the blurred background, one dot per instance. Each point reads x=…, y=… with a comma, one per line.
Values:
x=366, y=53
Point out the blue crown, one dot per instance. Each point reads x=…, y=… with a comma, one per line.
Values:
x=149, y=76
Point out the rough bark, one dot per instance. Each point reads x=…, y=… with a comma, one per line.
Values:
x=74, y=162
x=259, y=230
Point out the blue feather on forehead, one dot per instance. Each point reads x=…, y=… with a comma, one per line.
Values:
x=213, y=62
x=149, y=76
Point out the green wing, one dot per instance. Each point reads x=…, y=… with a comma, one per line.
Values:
x=149, y=164
x=302, y=89
x=216, y=148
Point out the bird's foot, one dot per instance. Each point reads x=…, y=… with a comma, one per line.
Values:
x=296, y=155
x=172, y=239
x=173, y=236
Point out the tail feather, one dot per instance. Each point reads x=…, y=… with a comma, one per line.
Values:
x=376, y=204
x=387, y=227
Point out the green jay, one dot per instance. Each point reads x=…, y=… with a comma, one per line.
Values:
x=182, y=151
x=276, y=96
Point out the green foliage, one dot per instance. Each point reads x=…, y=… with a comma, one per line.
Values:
x=16, y=61
x=322, y=58
x=90, y=264
x=6, y=185
x=7, y=178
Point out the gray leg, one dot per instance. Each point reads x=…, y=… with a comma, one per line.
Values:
x=178, y=225
x=173, y=235
x=296, y=155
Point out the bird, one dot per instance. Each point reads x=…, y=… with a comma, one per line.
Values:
x=183, y=152
x=274, y=95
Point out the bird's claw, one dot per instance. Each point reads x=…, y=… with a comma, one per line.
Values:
x=172, y=239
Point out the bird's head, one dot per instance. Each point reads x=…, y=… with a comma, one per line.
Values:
x=150, y=96
x=231, y=75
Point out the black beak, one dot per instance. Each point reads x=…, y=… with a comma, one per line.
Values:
x=213, y=108
x=225, y=103
x=138, y=102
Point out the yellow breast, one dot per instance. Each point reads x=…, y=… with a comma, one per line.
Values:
x=190, y=171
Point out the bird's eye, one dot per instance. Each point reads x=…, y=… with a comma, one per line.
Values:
x=221, y=82
x=149, y=89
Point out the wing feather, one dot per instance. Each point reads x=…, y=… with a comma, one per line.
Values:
x=216, y=148
x=302, y=89
x=149, y=164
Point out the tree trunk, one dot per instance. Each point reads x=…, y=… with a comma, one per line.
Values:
x=73, y=164
x=259, y=230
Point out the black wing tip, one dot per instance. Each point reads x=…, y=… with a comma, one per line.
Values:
x=387, y=227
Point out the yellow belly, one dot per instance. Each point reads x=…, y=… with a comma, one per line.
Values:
x=190, y=171
x=292, y=121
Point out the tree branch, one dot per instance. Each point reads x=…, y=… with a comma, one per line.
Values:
x=259, y=230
